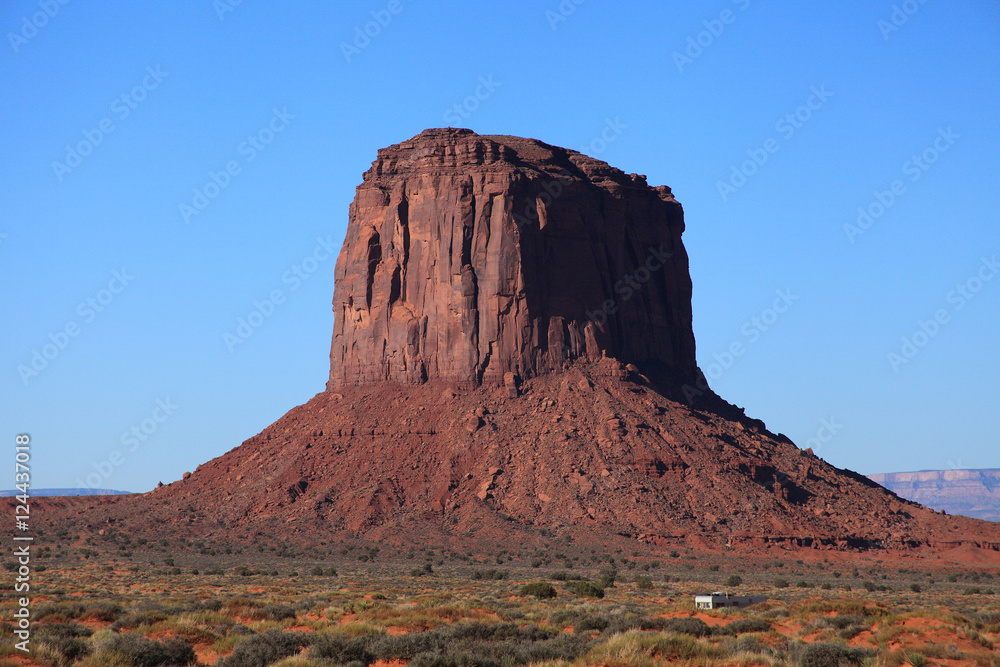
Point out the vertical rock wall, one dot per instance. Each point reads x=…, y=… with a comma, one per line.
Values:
x=472, y=257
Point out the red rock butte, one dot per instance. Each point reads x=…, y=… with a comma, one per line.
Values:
x=470, y=258
x=512, y=342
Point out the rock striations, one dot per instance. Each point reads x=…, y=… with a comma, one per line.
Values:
x=474, y=258
x=974, y=493
x=513, y=331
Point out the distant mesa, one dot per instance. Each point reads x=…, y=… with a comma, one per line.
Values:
x=973, y=493
x=65, y=492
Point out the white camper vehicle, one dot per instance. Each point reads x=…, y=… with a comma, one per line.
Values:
x=718, y=599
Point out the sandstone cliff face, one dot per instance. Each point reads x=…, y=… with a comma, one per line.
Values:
x=470, y=258
x=974, y=493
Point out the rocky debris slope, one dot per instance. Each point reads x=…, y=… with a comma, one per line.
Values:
x=594, y=449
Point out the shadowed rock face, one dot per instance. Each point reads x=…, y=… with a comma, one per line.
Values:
x=480, y=259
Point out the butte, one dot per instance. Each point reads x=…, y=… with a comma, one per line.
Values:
x=513, y=351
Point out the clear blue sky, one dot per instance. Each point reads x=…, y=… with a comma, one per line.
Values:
x=153, y=98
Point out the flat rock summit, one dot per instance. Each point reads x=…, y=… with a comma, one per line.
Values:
x=511, y=349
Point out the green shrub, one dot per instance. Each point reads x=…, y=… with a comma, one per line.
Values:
x=643, y=582
x=278, y=612
x=841, y=621
x=823, y=654
x=590, y=622
x=459, y=645
x=780, y=583
x=260, y=650
x=61, y=630
x=688, y=625
x=104, y=611
x=741, y=625
x=734, y=580
x=426, y=568
x=137, y=618
x=138, y=651
x=586, y=589
x=540, y=589
x=342, y=650
x=489, y=575
x=69, y=641
x=68, y=649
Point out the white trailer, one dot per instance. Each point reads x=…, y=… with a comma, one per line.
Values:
x=718, y=599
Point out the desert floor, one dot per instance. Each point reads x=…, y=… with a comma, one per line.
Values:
x=151, y=603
